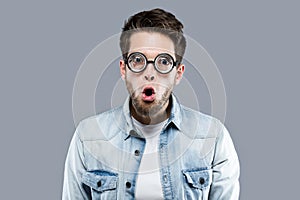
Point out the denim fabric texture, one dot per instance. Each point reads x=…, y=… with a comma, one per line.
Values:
x=197, y=157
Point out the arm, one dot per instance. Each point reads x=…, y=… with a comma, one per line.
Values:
x=73, y=188
x=226, y=169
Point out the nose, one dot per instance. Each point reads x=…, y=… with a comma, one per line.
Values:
x=149, y=77
x=149, y=72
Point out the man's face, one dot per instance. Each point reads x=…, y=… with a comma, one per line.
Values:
x=150, y=90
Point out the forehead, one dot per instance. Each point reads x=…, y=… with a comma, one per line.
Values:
x=151, y=43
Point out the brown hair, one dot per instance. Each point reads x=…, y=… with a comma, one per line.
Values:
x=155, y=20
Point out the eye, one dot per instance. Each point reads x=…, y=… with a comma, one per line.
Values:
x=137, y=59
x=164, y=61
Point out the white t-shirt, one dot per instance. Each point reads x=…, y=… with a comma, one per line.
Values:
x=148, y=184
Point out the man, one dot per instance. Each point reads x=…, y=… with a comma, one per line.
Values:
x=152, y=147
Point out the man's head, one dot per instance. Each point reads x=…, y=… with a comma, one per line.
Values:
x=152, y=45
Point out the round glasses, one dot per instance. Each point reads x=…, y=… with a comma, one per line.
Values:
x=163, y=63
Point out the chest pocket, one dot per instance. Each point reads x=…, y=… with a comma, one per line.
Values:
x=103, y=184
x=197, y=183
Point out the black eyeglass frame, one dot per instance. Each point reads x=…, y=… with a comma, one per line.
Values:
x=175, y=63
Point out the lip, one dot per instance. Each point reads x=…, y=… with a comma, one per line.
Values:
x=148, y=94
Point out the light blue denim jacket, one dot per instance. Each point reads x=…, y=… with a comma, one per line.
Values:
x=197, y=157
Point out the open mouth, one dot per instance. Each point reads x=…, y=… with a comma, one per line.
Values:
x=148, y=94
x=148, y=91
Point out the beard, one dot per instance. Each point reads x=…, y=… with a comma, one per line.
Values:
x=148, y=109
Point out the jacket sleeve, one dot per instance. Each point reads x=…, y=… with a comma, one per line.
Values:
x=73, y=188
x=226, y=169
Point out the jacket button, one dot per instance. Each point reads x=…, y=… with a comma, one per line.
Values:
x=136, y=152
x=128, y=184
x=132, y=132
x=201, y=180
x=99, y=184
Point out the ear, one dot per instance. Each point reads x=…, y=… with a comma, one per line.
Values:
x=179, y=73
x=122, y=69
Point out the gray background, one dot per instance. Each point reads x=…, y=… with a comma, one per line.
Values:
x=255, y=44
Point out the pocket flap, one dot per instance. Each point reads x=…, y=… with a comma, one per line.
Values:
x=100, y=180
x=198, y=178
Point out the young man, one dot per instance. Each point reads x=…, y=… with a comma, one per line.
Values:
x=152, y=147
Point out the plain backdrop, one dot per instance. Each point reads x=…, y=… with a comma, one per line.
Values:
x=255, y=45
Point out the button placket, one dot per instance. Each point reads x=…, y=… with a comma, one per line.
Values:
x=161, y=147
x=165, y=178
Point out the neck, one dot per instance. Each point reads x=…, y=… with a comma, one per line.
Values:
x=156, y=118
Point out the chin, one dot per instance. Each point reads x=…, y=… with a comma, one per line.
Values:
x=148, y=108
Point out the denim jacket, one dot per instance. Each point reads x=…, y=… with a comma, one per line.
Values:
x=196, y=156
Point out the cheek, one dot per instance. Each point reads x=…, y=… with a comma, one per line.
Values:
x=131, y=83
x=168, y=80
x=167, y=84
